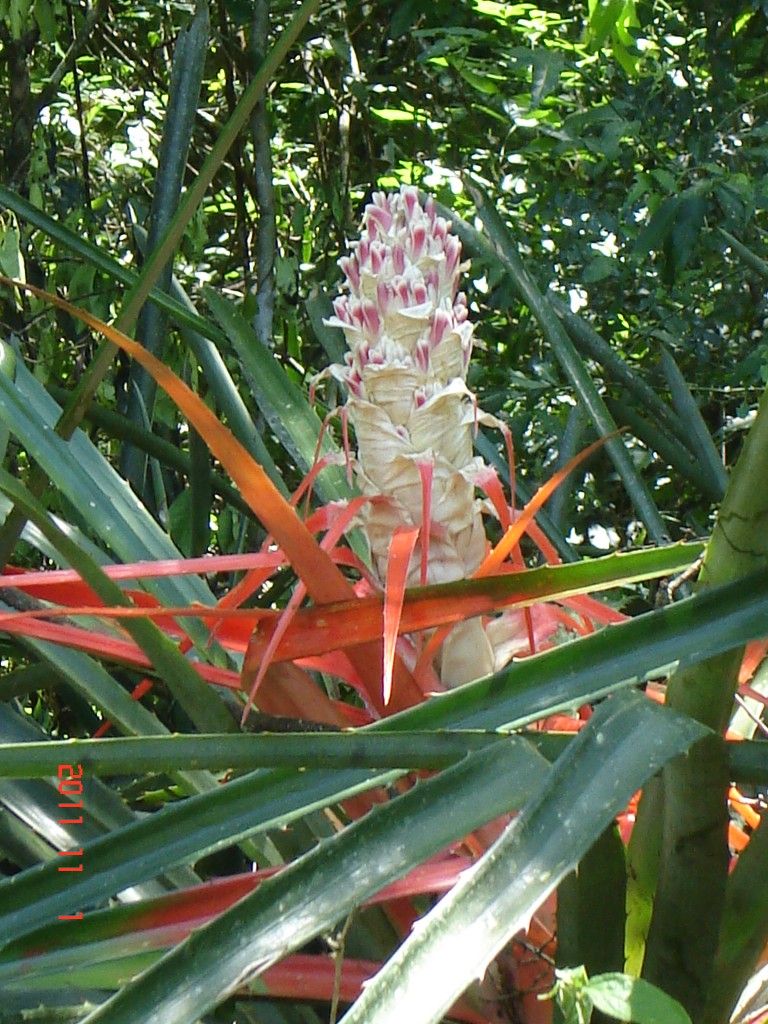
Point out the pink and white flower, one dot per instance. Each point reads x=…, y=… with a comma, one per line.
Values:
x=410, y=340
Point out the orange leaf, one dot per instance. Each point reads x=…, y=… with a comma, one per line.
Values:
x=492, y=563
x=313, y=565
x=324, y=582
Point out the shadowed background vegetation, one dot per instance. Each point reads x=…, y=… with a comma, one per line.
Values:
x=604, y=166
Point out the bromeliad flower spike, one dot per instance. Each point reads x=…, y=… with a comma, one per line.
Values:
x=410, y=341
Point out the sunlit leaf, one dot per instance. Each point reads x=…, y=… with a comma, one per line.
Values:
x=634, y=1000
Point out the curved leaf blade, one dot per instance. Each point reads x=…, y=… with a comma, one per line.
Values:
x=626, y=741
x=565, y=677
x=322, y=887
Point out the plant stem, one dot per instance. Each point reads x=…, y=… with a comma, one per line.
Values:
x=693, y=867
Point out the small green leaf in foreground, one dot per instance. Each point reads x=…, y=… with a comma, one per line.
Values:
x=617, y=995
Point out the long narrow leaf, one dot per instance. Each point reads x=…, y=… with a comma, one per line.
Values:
x=138, y=293
x=197, y=190
x=275, y=512
x=199, y=701
x=699, y=438
x=190, y=202
x=90, y=484
x=282, y=402
x=102, y=808
x=748, y=761
x=326, y=884
x=92, y=681
x=657, y=439
x=222, y=750
x=569, y=360
x=680, y=953
x=323, y=580
x=177, y=307
x=626, y=741
x=564, y=677
x=200, y=336
x=592, y=345
x=165, y=452
x=315, y=631
x=187, y=68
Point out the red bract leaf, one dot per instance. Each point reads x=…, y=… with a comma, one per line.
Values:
x=125, y=652
x=316, y=977
x=289, y=690
x=324, y=582
x=400, y=551
x=315, y=630
x=168, y=919
x=23, y=579
x=753, y=656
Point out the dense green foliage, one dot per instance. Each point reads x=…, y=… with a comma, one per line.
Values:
x=603, y=163
x=614, y=150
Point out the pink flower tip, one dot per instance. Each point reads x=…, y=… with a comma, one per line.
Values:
x=371, y=317
x=421, y=354
x=441, y=321
x=351, y=270
x=398, y=258
x=378, y=216
x=418, y=240
x=411, y=200
x=377, y=257
x=341, y=308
